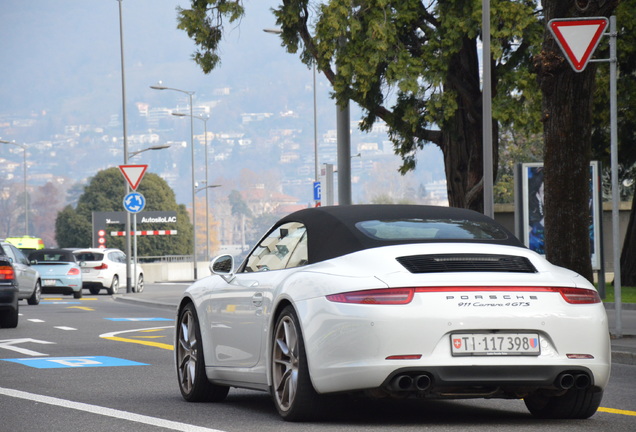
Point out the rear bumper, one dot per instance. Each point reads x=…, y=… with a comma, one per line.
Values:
x=60, y=289
x=488, y=381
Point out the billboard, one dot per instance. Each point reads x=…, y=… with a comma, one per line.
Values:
x=533, y=211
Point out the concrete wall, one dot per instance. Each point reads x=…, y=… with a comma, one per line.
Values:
x=174, y=271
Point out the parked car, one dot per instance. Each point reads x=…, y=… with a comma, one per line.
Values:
x=59, y=270
x=8, y=294
x=393, y=301
x=29, y=284
x=106, y=268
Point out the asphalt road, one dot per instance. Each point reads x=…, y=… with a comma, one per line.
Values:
x=103, y=365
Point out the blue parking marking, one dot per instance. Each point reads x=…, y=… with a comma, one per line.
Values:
x=74, y=362
x=138, y=319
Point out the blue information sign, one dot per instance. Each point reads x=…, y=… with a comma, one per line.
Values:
x=134, y=202
x=317, y=191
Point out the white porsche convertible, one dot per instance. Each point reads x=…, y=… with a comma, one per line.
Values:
x=394, y=300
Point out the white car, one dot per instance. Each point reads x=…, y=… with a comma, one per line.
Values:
x=394, y=301
x=106, y=268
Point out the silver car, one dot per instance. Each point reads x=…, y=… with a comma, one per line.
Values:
x=29, y=283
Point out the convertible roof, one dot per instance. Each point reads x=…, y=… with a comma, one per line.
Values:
x=332, y=232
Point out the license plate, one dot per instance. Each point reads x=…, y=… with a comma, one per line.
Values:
x=486, y=344
x=48, y=282
x=86, y=269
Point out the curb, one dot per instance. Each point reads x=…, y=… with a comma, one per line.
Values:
x=623, y=357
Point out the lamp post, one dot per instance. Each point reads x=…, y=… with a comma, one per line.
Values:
x=204, y=119
x=159, y=86
x=156, y=147
x=26, y=198
x=125, y=132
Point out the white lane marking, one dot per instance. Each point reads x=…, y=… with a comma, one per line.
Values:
x=65, y=328
x=36, y=320
x=108, y=412
x=9, y=344
x=115, y=333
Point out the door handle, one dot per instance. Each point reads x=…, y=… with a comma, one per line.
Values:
x=257, y=299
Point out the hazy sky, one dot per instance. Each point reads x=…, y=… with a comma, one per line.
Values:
x=57, y=54
x=63, y=57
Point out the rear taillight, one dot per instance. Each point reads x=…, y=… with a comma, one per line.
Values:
x=72, y=272
x=102, y=266
x=388, y=296
x=398, y=296
x=6, y=273
x=579, y=295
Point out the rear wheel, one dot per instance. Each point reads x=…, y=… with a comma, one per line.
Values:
x=94, y=290
x=77, y=294
x=37, y=294
x=292, y=391
x=114, y=286
x=574, y=404
x=193, y=382
x=140, y=284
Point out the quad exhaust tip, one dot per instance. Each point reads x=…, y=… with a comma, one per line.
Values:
x=566, y=381
x=408, y=383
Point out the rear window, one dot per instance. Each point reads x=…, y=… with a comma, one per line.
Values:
x=430, y=229
x=51, y=257
x=89, y=256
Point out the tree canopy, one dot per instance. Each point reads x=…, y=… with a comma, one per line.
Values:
x=416, y=65
x=106, y=192
x=413, y=64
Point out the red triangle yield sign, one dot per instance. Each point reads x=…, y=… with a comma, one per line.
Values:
x=578, y=38
x=133, y=174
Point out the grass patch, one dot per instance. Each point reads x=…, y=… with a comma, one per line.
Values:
x=628, y=294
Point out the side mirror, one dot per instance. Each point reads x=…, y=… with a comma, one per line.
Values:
x=222, y=265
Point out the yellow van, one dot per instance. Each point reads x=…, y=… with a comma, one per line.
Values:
x=26, y=243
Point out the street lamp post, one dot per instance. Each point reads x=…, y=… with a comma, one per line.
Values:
x=26, y=197
x=125, y=132
x=204, y=119
x=156, y=147
x=194, y=212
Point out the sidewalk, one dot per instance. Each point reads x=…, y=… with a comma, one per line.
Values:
x=623, y=349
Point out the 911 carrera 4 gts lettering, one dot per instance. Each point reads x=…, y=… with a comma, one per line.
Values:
x=480, y=304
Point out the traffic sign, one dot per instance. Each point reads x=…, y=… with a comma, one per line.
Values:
x=134, y=202
x=133, y=174
x=578, y=38
x=317, y=191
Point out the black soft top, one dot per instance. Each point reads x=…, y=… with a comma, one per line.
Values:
x=332, y=232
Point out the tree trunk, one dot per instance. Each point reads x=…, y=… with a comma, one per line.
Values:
x=628, y=255
x=462, y=135
x=567, y=117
